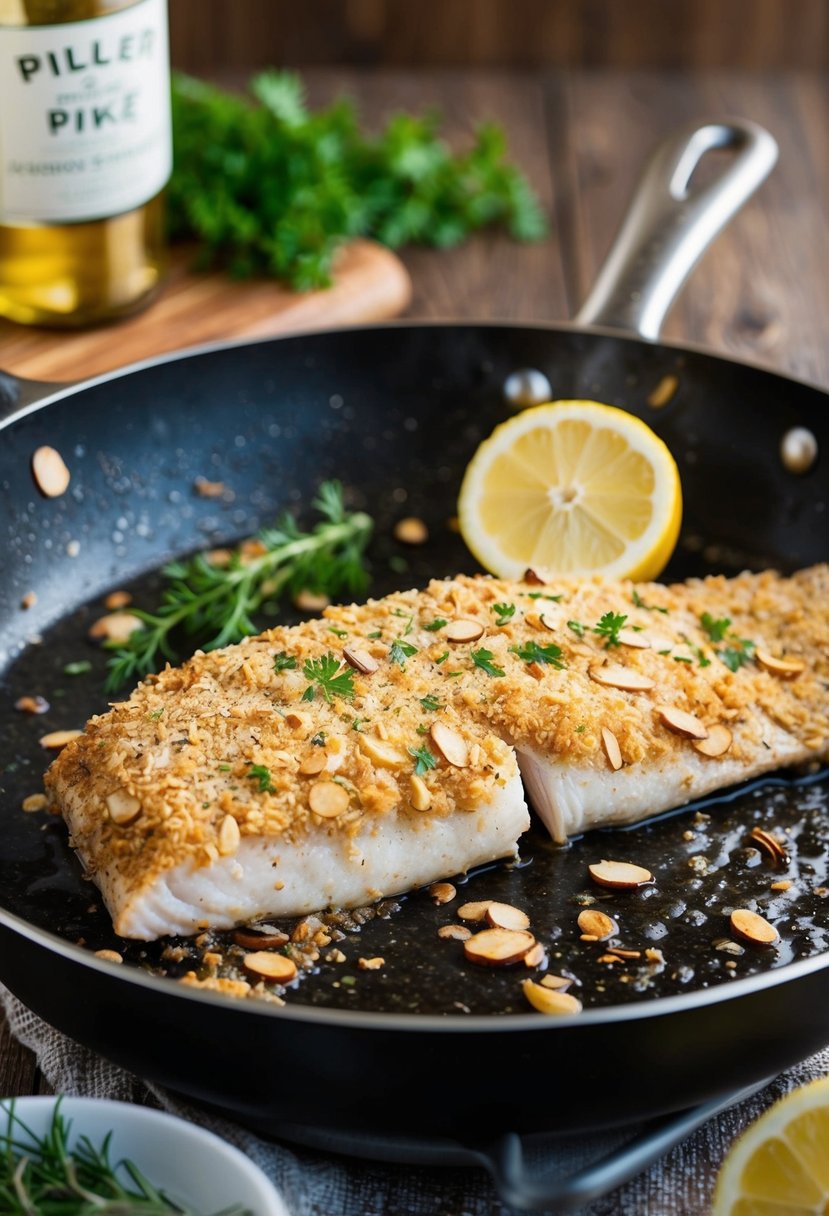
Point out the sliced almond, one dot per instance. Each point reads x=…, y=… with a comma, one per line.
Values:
x=549, y=1000
x=783, y=885
x=450, y=744
x=611, y=749
x=598, y=924
x=50, y=472
x=34, y=802
x=634, y=639
x=463, y=630
x=442, y=892
x=475, y=910
x=419, y=793
x=384, y=755
x=609, y=959
x=559, y=983
x=32, y=705
x=752, y=927
x=116, y=600
x=624, y=953
x=29, y=600
x=250, y=939
x=311, y=601
x=665, y=389
x=360, y=660
x=770, y=845
x=277, y=968
x=614, y=675
x=411, y=531
x=536, y=670
x=458, y=933
x=371, y=964
x=313, y=762
x=208, y=489
x=57, y=739
x=619, y=875
x=229, y=836
x=682, y=723
x=498, y=947
x=328, y=799
x=124, y=808
x=505, y=916
x=717, y=743
x=537, y=576
x=535, y=956
x=296, y=721
x=784, y=669
x=115, y=627
x=109, y=956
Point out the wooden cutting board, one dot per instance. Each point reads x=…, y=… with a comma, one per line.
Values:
x=371, y=284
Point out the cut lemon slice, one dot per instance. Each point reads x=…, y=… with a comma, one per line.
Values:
x=575, y=487
x=780, y=1165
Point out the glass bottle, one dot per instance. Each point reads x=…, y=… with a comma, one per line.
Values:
x=85, y=152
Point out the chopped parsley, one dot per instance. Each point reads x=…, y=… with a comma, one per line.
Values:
x=580, y=729
x=341, y=633
x=423, y=758
x=504, y=613
x=533, y=652
x=483, y=659
x=155, y=715
x=435, y=625
x=577, y=627
x=400, y=651
x=79, y=668
x=409, y=620
x=737, y=651
x=715, y=628
x=224, y=768
x=539, y=595
x=378, y=633
x=609, y=627
x=640, y=603
x=443, y=657
x=328, y=676
x=357, y=724
x=284, y=661
x=682, y=658
x=263, y=776
x=430, y=703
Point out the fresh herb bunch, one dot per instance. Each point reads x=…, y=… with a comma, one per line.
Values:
x=274, y=188
x=215, y=604
x=51, y=1176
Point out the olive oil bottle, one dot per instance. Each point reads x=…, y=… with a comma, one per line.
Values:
x=85, y=152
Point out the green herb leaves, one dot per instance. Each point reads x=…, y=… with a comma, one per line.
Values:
x=609, y=627
x=284, y=661
x=328, y=676
x=737, y=651
x=423, y=758
x=716, y=629
x=261, y=774
x=533, y=652
x=274, y=188
x=430, y=704
x=399, y=651
x=504, y=613
x=483, y=659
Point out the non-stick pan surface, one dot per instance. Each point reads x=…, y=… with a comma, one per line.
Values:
x=395, y=413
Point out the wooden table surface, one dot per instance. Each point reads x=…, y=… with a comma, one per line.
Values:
x=762, y=293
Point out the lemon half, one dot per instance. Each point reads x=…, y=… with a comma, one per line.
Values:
x=780, y=1165
x=573, y=486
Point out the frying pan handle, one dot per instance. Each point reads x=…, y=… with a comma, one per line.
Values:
x=670, y=224
x=17, y=393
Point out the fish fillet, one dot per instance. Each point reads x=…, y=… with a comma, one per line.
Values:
x=232, y=787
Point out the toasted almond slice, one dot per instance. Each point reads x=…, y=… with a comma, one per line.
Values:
x=505, y=916
x=32, y=705
x=753, y=928
x=450, y=744
x=559, y=983
x=682, y=723
x=419, y=794
x=371, y=964
x=620, y=875
x=608, y=958
x=360, y=660
x=458, y=933
x=249, y=939
x=313, y=762
x=267, y=966
x=769, y=844
x=57, y=739
x=537, y=576
x=611, y=749
x=634, y=639
x=624, y=953
x=535, y=956
x=536, y=670
x=498, y=947
x=296, y=721
x=34, y=802
x=115, y=627
x=123, y=807
x=50, y=472
x=784, y=669
x=598, y=924
x=783, y=885
x=208, y=489
x=717, y=743
x=109, y=956
x=442, y=892
x=588, y=937
x=614, y=675
x=549, y=1000
x=29, y=600
x=384, y=755
x=411, y=531
x=475, y=910
x=229, y=836
x=328, y=799
x=463, y=630
x=662, y=393
x=311, y=601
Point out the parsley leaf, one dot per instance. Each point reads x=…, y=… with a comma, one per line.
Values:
x=78, y=668
x=483, y=659
x=609, y=627
x=400, y=651
x=504, y=612
x=539, y=595
x=716, y=629
x=284, y=661
x=430, y=703
x=424, y=760
x=640, y=603
x=532, y=652
x=340, y=633
x=263, y=776
x=436, y=624
x=329, y=677
x=577, y=627
x=737, y=653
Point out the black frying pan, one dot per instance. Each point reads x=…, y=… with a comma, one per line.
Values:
x=428, y=1045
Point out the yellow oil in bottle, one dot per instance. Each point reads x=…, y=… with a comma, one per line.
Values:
x=83, y=89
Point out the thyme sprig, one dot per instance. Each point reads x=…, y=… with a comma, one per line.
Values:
x=214, y=604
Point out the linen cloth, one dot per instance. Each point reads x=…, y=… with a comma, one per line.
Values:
x=315, y=1184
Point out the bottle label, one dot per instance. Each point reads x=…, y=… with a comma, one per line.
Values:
x=84, y=116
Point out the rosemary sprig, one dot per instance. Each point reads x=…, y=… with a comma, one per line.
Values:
x=215, y=604
x=51, y=1176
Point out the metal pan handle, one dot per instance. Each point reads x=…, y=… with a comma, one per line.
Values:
x=669, y=224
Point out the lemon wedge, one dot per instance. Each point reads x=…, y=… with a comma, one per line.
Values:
x=575, y=487
x=781, y=1163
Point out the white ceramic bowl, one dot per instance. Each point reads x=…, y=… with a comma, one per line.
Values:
x=192, y=1166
